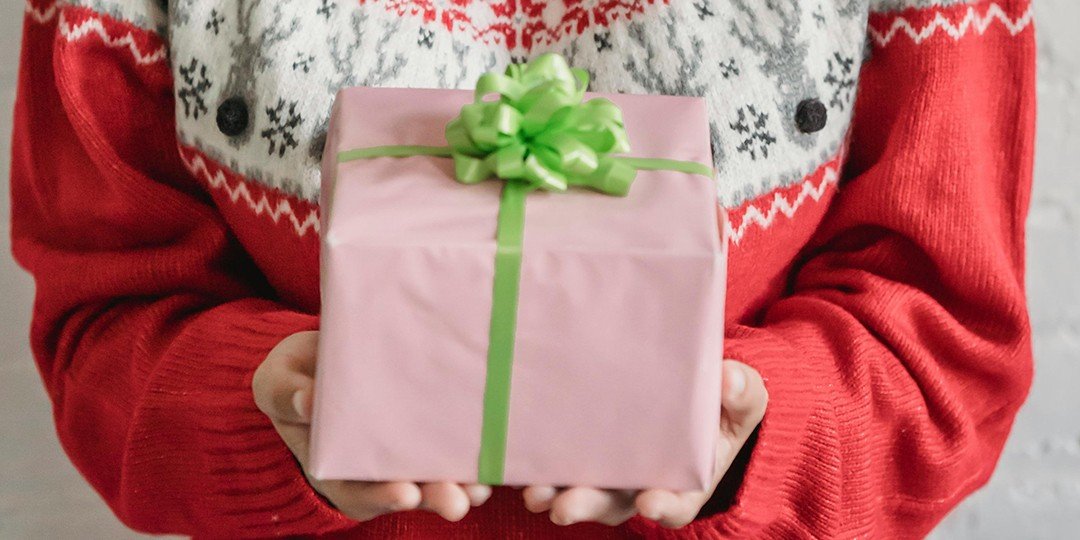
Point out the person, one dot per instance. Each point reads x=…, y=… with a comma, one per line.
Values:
x=164, y=197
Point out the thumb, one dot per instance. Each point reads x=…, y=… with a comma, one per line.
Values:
x=743, y=400
x=283, y=384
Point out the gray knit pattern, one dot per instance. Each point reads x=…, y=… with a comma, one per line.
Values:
x=753, y=62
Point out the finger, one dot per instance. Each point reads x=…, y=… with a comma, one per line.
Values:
x=284, y=396
x=672, y=510
x=743, y=401
x=299, y=351
x=283, y=385
x=478, y=494
x=297, y=438
x=538, y=498
x=364, y=501
x=610, y=507
x=293, y=427
x=296, y=353
x=447, y=499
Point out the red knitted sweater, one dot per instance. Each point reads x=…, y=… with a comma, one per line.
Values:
x=884, y=304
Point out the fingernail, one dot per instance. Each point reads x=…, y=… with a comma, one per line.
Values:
x=299, y=402
x=736, y=381
x=482, y=494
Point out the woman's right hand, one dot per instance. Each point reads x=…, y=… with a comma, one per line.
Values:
x=284, y=385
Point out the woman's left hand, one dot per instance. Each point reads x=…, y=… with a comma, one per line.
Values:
x=743, y=402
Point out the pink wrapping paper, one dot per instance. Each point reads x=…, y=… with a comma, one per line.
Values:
x=616, y=373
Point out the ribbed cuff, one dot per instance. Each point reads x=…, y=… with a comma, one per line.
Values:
x=762, y=506
x=201, y=453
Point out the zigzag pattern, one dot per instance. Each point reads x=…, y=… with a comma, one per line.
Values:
x=972, y=21
x=780, y=205
x=41, y=15
x=260, y=206
x=93, y=25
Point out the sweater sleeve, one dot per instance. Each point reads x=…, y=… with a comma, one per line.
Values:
x=149, y=318
x=897, y=360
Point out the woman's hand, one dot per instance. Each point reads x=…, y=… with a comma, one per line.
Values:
x=743, y=402
x=284, y=385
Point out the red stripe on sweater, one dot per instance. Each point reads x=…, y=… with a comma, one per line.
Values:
x=274, y=227
x=145, y=46
x=41, y=12
x=950, y=22
x=227, y=186
x=760, y=214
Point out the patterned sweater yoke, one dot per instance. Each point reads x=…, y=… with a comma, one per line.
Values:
x=282, y=62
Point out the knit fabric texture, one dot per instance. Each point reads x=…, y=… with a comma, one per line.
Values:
x=874, y=158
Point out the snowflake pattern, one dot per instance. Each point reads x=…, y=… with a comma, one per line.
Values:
x=841, y=79
x=602, y=40
x=752, y=126
x=326, y=8
x=704, y=10
x=213, y=24
x=281, y=135
x=303, y=62
x=729, y=68
x=427, y=38
x=193, y=87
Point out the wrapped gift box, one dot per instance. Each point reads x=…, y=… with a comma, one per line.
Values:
x=615, y=379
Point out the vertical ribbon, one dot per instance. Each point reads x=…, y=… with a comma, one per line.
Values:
x=504, y=308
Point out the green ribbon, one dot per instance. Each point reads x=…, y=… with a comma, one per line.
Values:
x=531, y=128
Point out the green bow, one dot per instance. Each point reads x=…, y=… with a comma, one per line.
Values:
x=538, y=130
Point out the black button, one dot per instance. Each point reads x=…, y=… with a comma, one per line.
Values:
x=317, y=146
x=811, y=115
x=232, y=116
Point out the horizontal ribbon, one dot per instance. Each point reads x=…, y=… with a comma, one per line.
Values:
x=529, y=127
x=636, y=163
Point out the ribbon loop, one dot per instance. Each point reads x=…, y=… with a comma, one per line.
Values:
x=531, y=124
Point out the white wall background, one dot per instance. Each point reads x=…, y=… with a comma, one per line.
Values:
x=1035, y=492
